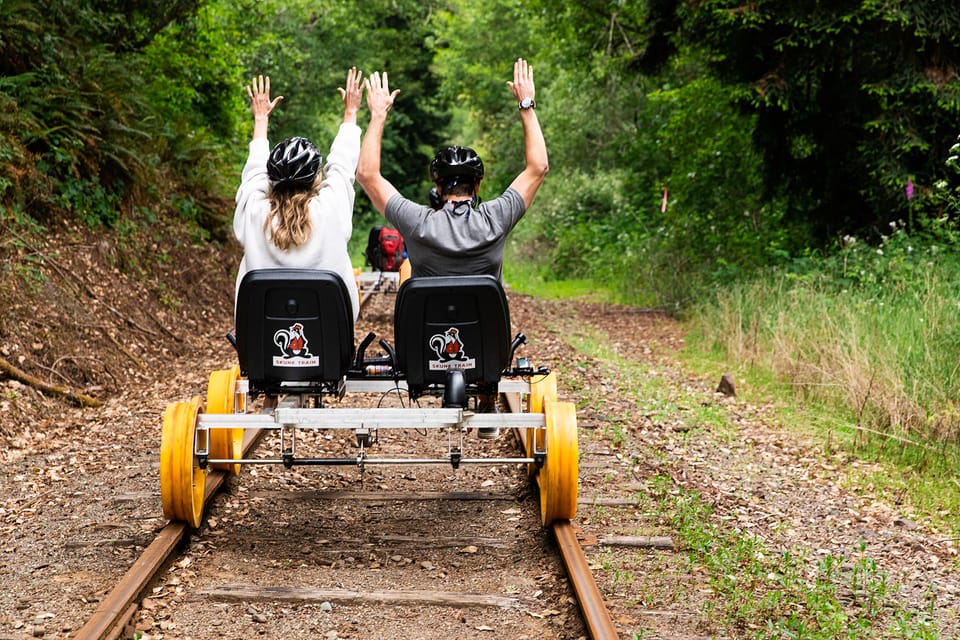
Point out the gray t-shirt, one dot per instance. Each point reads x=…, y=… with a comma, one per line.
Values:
x=456, y=240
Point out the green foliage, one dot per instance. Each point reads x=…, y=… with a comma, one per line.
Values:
x=715, y=210
x=115, y=103
x=776, y=592
x=852, y=100
x=763, y=124
x=871, y=327
x=21, y=32
x=88, y=201
x=769, y=126
x=474, y=77
x=132, y=26
x=945, y=196
x=307, y=53
x=82, y=124
x=617, y=141
x=194, y=81
x=686, y=145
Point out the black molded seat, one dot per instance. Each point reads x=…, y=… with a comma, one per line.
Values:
x=445, y=323
x=293, y=326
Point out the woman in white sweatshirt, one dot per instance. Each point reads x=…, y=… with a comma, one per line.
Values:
x=289, y=213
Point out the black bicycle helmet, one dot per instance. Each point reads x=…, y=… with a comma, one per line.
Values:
x=458, y=163
x=294, y=163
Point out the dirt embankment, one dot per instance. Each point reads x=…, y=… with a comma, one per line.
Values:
x=89, y=314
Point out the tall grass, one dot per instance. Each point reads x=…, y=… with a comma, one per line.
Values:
x=874, y=329
x=752, y=590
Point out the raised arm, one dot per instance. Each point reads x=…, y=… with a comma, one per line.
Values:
x=379, y=101
x=534, y=146
x=352, y=95
x=261, y=105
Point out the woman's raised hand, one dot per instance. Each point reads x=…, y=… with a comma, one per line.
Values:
x=352, y=93
x=260, y=102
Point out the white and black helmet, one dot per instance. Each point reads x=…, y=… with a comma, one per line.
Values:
x=456, y=165
x=294, y=164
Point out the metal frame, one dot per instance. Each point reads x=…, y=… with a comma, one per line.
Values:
x=289, y=417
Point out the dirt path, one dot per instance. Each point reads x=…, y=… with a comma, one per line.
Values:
x=79, y=494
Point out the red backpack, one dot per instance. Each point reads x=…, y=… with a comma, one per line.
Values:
x=385, y=249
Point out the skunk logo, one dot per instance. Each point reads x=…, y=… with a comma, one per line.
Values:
x=447, y=345
x=294, y=348
x=449, y=349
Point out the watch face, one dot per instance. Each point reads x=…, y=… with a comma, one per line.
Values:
x=526, y=103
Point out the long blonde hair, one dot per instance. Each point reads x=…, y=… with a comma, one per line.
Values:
x=288, y=222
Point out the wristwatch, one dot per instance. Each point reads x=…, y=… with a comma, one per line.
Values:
x=526, y=103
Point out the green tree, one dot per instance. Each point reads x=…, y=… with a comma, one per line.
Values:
x=307, y=50
x=77, y=107
x=852, y=98
x=628, y=112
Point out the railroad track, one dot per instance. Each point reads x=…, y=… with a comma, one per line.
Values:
x=595, y=615
x=116, y=611
x=118, y=608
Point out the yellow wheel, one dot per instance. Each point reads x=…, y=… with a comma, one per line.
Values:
x=182, y=482
x=542, y=389
x=559, y=477
x=221, y=394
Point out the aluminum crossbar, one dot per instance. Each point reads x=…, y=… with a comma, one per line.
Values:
x=387, y=385
x=379, y=418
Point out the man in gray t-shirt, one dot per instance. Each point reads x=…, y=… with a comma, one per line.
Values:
x=456, y=239
x=458, y=236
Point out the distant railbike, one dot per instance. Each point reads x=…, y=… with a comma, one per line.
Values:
x=295, y=345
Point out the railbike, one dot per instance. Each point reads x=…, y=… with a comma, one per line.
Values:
x=296, y=359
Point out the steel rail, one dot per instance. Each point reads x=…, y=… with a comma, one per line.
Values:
x=117, y=609
x=595, y=613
